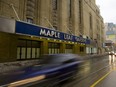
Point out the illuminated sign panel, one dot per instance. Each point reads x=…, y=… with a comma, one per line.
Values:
x=29, y=29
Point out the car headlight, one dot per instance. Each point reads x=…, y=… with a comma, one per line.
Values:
x=26, y=81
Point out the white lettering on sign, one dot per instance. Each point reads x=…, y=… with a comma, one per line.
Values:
x=68, y=37
x=49, y=33
x=77, y=39
x=42, y=32
x=80, y=39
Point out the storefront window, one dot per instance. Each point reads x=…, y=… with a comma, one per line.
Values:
x=69, y=48
x=53, y=48
x=81, y=49
x=28, y=49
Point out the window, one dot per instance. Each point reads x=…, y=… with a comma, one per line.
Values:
x=80, y=11
x=80, y=17
x=69, y=5
x=55, y=27
x=81, y=49
x=90, y=21
x=69, y=61
x=29, y=20
x=69, y=48
x=53, y=48
x=28, y=49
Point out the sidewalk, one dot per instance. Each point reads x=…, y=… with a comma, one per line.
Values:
x=12, y=66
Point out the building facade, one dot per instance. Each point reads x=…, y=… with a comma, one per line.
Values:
x=110, y=35
x=110, y=32
x=75, y=17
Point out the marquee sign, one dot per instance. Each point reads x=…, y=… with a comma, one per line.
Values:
x=29, y=29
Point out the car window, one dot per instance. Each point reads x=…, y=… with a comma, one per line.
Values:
x=69, y=61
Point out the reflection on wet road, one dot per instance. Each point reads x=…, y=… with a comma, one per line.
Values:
x=109, y=80
x=92, y=70
x=90, y=73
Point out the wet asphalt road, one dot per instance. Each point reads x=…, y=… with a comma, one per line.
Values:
x=93, y=70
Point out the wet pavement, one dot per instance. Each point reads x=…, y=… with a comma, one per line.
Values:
x=96, y=72
x=108, y=81
x=93, y=72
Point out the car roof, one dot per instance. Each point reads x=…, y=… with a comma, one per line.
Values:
x=61, y=57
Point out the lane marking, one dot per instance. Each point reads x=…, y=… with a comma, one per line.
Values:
x=94, y=84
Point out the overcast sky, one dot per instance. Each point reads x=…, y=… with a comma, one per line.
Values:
x=108, y=10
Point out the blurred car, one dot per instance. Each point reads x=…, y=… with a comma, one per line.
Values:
x=53, y=69
x=60, y=67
